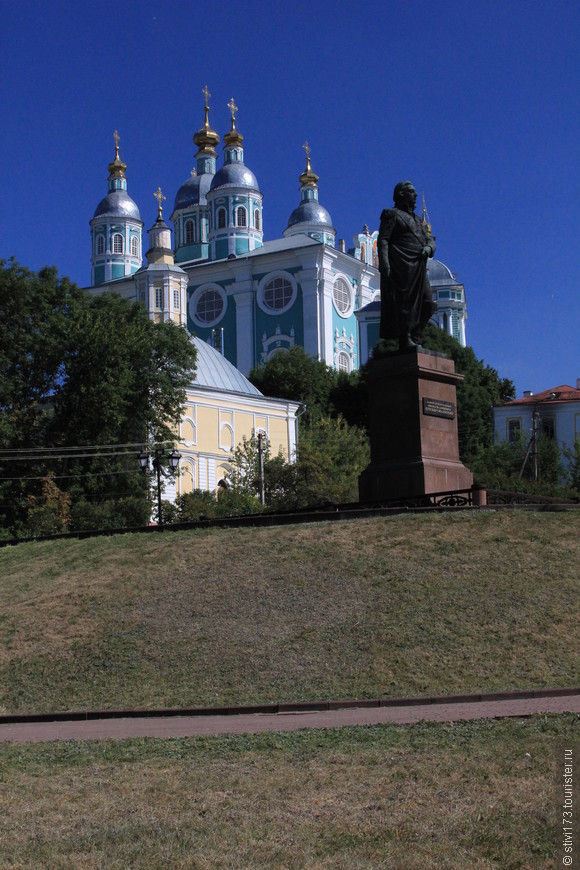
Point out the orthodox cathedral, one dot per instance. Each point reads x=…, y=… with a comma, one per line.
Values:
x=243, y=296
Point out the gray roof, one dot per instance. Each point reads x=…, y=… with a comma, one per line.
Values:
x=235, y=175
x=310, y=213
x=216, y=372
x=119, y=204
x=193, y=191
x=439, y=273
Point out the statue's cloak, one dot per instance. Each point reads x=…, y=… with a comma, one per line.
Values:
x=406, y=298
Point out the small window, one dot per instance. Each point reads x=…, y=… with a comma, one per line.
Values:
x=342, y=296
x=241, y=220
x=257, y=219
x=117, y=243
x=188, y=232
x=278, y=293
x=176, y=304
x=210, y=306
x=514, y=428
x=548, y=427
x=134, y=246
x=221, y=218
x=159, y=297
x=100, y=244
x=375, y=255
x=343, y=361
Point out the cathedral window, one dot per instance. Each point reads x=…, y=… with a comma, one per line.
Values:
x=241, y=219
x=221, y=218
x=208, y=305
x=188, y=232
x=342, y=297
x=117, y=243
x=277, y=293
x=343, y=361
x=176, y=304
x=100, y=244
x=257, y=219
x=134, y=246
x=158, y=297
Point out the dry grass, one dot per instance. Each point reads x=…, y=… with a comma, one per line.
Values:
x=389, y=606
x=476, y=795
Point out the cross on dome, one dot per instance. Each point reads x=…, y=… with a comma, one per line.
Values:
x=159, y=197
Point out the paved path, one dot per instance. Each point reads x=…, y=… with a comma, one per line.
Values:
x=193, y=726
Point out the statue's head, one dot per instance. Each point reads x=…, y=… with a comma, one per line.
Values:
x=405, y=195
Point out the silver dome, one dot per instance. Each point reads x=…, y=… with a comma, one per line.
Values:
x=235, y=175
x=216, y=372
x=193, y=191
x=310, y=213
x=439, y=273
x=119, y=204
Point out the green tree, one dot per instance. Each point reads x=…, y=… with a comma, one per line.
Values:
x=78, y=371
x=295, y=375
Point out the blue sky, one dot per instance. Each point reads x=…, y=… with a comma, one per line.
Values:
x=476, y=103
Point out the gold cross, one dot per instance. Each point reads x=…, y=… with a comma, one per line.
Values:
x=306, y=147
x=193, y=172
x=116, y=137
x=233, y=108
x=159, y=196
x=206, y=94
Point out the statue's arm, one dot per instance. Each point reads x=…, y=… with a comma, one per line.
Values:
x=388, y=221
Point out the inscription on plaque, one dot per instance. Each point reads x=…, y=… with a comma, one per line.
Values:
x=438, y=408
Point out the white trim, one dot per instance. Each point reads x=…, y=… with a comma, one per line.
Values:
x=271, y=276
x=194, y=300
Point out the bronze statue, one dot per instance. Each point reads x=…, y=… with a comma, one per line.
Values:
x=405, y=243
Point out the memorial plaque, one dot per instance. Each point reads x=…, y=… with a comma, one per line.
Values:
x=438, y=408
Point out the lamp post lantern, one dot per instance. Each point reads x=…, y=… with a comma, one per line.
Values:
x=158, y=456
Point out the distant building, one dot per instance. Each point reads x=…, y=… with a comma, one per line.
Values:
x=554, y=413
x=247, y=297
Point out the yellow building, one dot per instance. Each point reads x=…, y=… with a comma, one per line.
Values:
x=222, y=405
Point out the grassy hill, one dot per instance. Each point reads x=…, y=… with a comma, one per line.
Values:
x=388, y=606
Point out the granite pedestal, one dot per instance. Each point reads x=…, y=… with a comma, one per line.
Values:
x=413, y=428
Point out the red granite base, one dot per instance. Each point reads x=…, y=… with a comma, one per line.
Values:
x=413, y=428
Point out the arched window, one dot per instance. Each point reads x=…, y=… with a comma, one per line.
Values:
x=221, y=218
x=117, y=243
x=363, y=252
x=257, y=219
x=342, y=296
x=343, y=361
x=241, y=218
x=375, y=255
x=134, y=246
x=100, y=244
x=188, y=232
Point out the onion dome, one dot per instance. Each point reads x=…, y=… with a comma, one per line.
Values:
x=206, y=139
x=309, y=217
x=234, y=173
x=192, y=191
x=117, y=202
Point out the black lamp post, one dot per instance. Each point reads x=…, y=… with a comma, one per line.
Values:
x=173, y=460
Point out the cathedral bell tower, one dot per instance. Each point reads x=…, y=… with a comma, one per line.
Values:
x=116, y=229
x=161, y=285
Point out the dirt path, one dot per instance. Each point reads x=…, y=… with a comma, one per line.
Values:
x=119, y=728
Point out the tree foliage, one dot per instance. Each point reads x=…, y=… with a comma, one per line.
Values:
x=81, y=371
